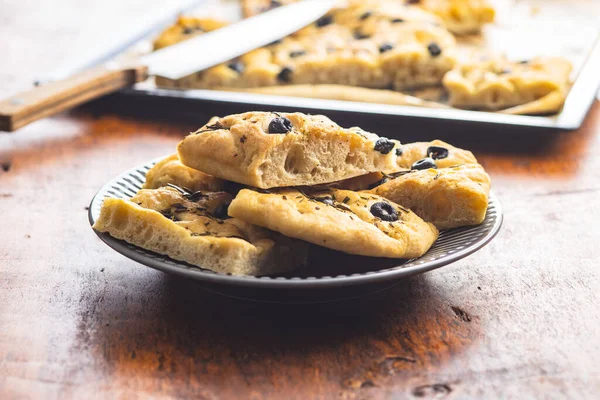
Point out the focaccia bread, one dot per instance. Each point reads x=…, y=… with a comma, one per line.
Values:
x=498, y=84
x=268, y=149
x=172, y=171
x=186, y=28
x=376, y=44
x=195, y=228
x=459, y=16
x=442, y=153
x=355, y=223
x=447, y=197
x=413, y=156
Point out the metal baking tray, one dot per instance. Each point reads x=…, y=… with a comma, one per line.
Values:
x=147, y=97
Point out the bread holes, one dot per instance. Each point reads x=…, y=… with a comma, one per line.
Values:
x=351, y=158
x=494, y=97
x=294, y=160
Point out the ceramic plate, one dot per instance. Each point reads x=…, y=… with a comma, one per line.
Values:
x=326, y=268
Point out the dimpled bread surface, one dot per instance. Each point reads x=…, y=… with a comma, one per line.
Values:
x=338, y=219
x=374, y=44
x=171, y=171
x=167, y=222
x=447, y=197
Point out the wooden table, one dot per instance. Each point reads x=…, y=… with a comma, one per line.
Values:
x=518, y=319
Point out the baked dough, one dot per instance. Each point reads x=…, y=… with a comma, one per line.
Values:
x=355, y=223
x=344, y=93
x=268, y=149
x=171, y=171
x=194, y=227
x=459, y=16
x=186, y=28
x=375, y=44
x=497, y=83
x=447, y=197
x=410, y=153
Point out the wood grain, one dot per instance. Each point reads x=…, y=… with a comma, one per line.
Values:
x=518, y=319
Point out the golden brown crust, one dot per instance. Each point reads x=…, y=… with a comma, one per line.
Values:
x=171, y=171
x=413, y=152
x=362, y=45
x=447, y=197
x=459, y=16
x=185, y=28
x=496, y=84
x=315, y=151
x=195, y=229
x=338, y=219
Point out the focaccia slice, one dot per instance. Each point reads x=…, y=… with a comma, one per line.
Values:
x=413, y=156
x=375, y=44
x=442, y=153
x=447, y=197
x=195, y=228
x=355, y=223
x=171, y=171
x=497, y=84
x=268, y=149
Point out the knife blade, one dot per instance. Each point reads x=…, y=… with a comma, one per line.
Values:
x=218, y=46
x=177, y=61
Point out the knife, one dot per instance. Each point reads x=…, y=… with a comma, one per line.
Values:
x=172, y=62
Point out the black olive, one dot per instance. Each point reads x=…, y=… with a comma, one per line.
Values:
x=275, y=3
x=397, y=20
x=437, y=153
x=505, y=71
x=285, y=75
x=221, y=211
x=237, y=66
x=424, y=163
x=274, y=43
x=399, y=151
x=384, y=211
x=188, y=30
x=366, y=15
x=324, y=21
x=298, y=53
x=378, y=183
x=196, y=196
x=434, y=49
x=385, y=47
x=280, y=125
x=523, y=62
x=413, y=1
x=360, y=36
x=384, y=145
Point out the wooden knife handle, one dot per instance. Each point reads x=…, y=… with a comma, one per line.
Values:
x=54, y=97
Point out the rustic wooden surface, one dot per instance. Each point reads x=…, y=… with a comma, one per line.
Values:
x=519, y=319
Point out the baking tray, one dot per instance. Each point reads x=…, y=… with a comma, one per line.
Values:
x=175, y=102
x=517, y=33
